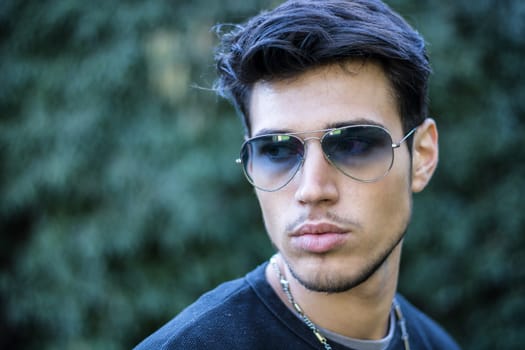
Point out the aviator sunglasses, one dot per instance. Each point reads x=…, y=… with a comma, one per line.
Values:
x=362, y=152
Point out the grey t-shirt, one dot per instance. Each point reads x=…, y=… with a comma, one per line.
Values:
x=358, y=344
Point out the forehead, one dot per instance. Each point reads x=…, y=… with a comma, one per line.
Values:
x=325, y=96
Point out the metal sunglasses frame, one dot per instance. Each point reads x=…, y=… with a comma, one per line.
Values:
x=325, y=132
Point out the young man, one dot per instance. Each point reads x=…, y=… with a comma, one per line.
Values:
x=333, y=99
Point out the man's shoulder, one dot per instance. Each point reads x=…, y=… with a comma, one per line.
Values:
x=423, y=331
x=216, y=314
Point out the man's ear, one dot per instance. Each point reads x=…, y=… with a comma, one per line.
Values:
x=425, y=154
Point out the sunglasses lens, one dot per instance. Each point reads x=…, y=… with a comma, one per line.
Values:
x=364, y=153
x=271, y=161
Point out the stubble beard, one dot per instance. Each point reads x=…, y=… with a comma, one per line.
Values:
x=339, y=285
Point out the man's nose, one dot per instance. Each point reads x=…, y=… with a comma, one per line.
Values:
x=317, y=177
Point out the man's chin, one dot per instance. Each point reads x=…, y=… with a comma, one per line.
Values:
x=329, y=284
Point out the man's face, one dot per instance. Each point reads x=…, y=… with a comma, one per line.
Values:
x=333, y=231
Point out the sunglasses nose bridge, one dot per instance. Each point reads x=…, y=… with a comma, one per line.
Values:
x=311, y=138
x=306, y=147
x=307, y=139
x=305, y=142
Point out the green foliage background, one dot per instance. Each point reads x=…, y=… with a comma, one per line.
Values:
x=120, y=201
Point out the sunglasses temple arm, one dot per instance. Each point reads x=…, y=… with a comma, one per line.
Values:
x=397, y=145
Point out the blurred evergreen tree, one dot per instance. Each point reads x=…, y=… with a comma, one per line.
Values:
x=468, y=227
x=120, y=201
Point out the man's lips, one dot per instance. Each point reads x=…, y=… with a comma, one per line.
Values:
x=318, y=238
x=317, y=229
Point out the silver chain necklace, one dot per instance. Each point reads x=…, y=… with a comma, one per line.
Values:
x=285, y=285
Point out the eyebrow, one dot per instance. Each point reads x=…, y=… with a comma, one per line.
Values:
x=336, y=125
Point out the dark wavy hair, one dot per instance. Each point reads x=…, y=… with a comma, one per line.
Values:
x=301, y=35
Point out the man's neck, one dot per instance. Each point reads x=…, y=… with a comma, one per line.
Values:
x=360, y=313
